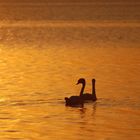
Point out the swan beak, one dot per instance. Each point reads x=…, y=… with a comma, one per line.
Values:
x=77, y=83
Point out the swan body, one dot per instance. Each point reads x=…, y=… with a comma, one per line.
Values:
x=74, y=101
x=88, y=96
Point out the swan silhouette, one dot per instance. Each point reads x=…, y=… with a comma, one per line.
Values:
x=87, y=96
x=79, y=100
x=76, y=100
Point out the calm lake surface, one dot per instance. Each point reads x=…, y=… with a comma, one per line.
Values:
x=40, y=63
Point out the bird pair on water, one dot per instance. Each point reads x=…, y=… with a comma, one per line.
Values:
x=79, y=100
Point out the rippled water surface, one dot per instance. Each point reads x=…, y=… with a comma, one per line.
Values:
x=41, y=61
x=35, y=78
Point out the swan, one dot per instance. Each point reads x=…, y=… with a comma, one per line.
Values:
x=79, y=100
x=76, y=100
x=87, y=96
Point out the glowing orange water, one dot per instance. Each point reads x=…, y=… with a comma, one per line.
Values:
x=34, y=82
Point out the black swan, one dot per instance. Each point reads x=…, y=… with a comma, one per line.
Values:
x=79, y=100
x=87, y=96
x=76, y=100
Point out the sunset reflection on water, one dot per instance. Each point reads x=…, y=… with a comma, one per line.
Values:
x=34, y=82
x=46, y=46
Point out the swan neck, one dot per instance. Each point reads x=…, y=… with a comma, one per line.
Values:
x=93, y=87
x=82, y=89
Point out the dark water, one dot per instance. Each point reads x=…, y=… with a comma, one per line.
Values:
x=70, y=10
x=40, y=62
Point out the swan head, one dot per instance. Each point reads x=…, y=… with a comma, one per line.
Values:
x=93, y=80
x=81, y=81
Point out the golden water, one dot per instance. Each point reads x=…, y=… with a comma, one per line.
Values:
x=46, y=46
x=34, y=81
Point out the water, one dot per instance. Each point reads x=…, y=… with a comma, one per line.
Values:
x=40, y=63
x=70, y=10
